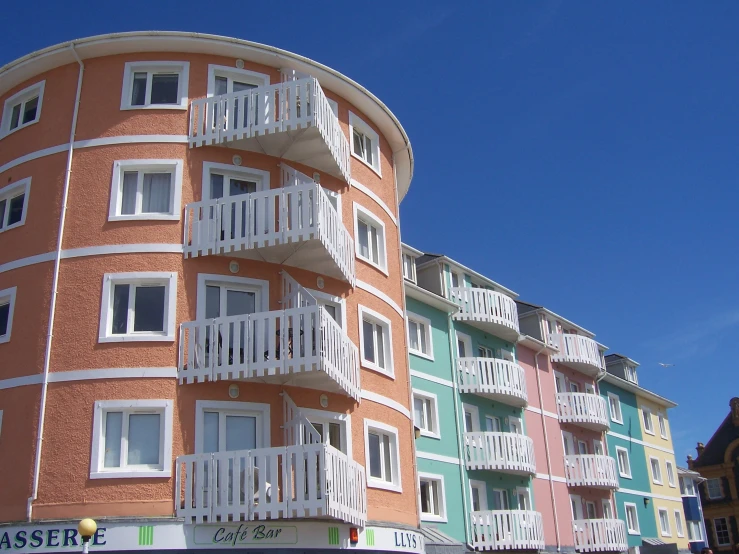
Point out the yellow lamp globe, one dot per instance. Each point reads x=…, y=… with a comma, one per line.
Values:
x=87, y=527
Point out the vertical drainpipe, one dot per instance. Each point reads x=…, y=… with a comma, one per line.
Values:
x=459, y=427
x=546, y=448
x=54, y=290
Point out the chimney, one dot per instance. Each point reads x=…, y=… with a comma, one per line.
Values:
x=690, y=461
x=700, y=448
x=734, y=404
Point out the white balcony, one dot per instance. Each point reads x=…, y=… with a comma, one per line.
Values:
x=491, y=311
x=591, y=470
x=495, y=379
x=291, y=120
x=578, y=352
x=507, y=530
x=288, y=482
x=600, y=535
x=505, y=452
x=583, y=409
x=296, y=225
x=302, y=346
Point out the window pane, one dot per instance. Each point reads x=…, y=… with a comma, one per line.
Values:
x=128, y=192
x=369, y=341
x=425, y=497
x=334, y=436
x=374, y=455
x=164, y=88
x=216, y=186
x=375, y=245
x=412, y=335
x=113, y=426
x=358, y=144
x=143, y=439
x=422, y=332
x=3, y=204
x=15, y=117
x=239, y=302
x=380, y=346
x=120, y=309
x=149, y=309
x=475, y=499
x=156, y=197
x=4, y=317
x=388, y=462
x=418, y=413
x=30, y=109
x=241, y=432
x=221, y=86
x=369, y=153
x=212, y=302
x=363, y=238
x=210, y=432
x=138, y=92
x=16, y=209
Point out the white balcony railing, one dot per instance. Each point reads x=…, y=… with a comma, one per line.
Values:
x=579, y=352
x=591, y=470
x=498, y=379
x=294, y=107
x=303, y=345
x=274, y=222
x=583, y=408
x=600, y=535
x=303, y=481
x=507, y=530
x=490, y=310
x=508, y=452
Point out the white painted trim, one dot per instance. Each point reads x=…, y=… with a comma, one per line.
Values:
x=434, y=416
x=23, y=186
x=371, y=220
x=168, y=279
x=9, y=295
x=182, y=68
x=620, y=420
x=259, y=286
x=381, y=295
x=331, y=299
x=426, y=322
x=374, y=482
x=539, y=411
x=26, y=380
x=171, y=166
x=261, y=410
x=547, y=477
x=431, y=378
x=1, y=423
x=475, y=411
x=154, y=248
x=24, y=262
x=97, y=457
x=20, y=97
x=676, y=499
x=637, y=441
x=385, y=401
x=366, y=190
x=356, y=121
x=437, y=457
x=618, y=465
x=636, y=531
x=243, y=75
x=344, y=419
x=482, y=493
x=113, y=373
x=257, y=175
x=438, y=478
x=380, y=319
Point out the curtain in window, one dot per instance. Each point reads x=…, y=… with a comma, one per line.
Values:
x=128, y=193
x=156, y=193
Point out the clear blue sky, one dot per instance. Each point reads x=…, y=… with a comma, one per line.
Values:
x=584, y=154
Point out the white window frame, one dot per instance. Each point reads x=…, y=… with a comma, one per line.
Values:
x=482, y=491
x=366, y=130
x=621, y=471
x=8, y=193
x=369, y=218
x=715, y=531
x=607, y=508
x=172, y=166
x=664, y=532
x=611, y=399
x=337, y=302
x=168, y=279
x=634, y=530
x=151, y=67
x=720, y=487
x=670, y=470
x=411, y=260
x=662, y=425
x=325, y=417
x=9, y=295
x=384, y=429
x=687, y=486
x=679, y=529
x=260, y=287
x=646, y=416
x=656, y=477
x=630, y=374
x=695, y=530
x=432, y=416
x=377, y=319
x=420, y=320
x=260, y=410
x=163, y=407
x=259, y=176
x=243, y=75
x=21, y=97
x=441, y=492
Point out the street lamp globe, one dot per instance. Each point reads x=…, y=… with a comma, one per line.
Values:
x=86, y=528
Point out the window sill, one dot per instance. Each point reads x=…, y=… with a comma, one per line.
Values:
x=376, y=484
x=131, y=474
x=371, y=263
x=634, y=532
x=7, y=133
x=421, y=355
x=649, y=432
x=377, y=369
x=13, y=226
x=373, y=168
x=625, y=476
x=5, y=338
x=431, y=517
x=145, y=217
x=136, y=338
x=181, y=106
x=430, y=434
x=621, y=422
x=656, y=482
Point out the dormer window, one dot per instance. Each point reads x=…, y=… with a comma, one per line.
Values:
x=631, y=374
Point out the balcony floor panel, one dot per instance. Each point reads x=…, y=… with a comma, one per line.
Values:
x=507, y=399
x=590, y=425
x=501, y=331
x=317, y=380
x=583, y=367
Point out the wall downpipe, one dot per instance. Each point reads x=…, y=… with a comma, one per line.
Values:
x=55, y=289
